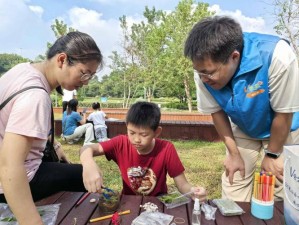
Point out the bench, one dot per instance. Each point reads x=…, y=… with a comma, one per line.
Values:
x=173, y=130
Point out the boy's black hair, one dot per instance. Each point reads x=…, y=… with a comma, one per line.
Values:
x=96, y=105
x=144, y=114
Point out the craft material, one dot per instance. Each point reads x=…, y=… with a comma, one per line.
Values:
x=93, y=200
x=263, y=186
x=109, y=201
x=228, y=207
x=179, y=220
x=115, y=220
x=82, y=199
x=175, y=199
x=150, y=207
x=262, y=204
x=108, y=216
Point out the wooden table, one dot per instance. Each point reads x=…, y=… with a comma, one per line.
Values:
x=86, y=211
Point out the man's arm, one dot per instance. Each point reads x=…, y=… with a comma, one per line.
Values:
x=14, y=151
x=280, y=130
x=233, y=161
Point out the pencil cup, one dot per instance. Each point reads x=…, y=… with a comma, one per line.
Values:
x=262, y=210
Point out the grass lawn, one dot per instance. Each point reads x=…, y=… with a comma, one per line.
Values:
x=203, y=162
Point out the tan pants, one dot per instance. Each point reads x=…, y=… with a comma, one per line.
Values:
x=241, y=189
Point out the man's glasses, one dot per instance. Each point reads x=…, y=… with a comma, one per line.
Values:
x=86, y=76
x=209, y=75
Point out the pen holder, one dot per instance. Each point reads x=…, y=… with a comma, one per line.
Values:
x=262, y=210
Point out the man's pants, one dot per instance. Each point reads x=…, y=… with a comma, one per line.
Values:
x=249, y=148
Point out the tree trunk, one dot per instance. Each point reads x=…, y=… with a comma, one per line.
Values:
x=187, y=90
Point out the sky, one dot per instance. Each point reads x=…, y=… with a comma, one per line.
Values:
x=25, y=25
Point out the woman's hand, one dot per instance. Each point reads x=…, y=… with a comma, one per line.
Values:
x=92, y=177
x=60, y=153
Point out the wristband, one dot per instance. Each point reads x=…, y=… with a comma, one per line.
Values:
x=273, y=155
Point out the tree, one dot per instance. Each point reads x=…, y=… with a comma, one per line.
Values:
x=7, y=61
x=287, y=13
x=177, y=26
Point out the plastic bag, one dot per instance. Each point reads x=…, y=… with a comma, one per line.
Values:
x=228, y=207
x=48, y=214
x=175, y=199
x=152, y=218
x=209, y=211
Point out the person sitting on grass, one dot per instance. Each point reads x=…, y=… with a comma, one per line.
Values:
x=143, y=159
x=72, y=132
x=98, y=118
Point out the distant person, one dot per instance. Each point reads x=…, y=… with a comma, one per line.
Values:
x=25, y=124
x=71, y=131
x=98, y=118
x=143, y=159
x=67, y=96
x=249, y=83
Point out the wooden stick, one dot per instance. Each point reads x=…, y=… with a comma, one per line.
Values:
x=109, y=216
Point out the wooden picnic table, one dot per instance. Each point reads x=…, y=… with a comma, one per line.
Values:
x=68, y=213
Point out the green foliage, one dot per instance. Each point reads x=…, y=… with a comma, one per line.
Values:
x=7, y=61
x=287, y=18
x=152, y=62
x=59, y=28
x=179, y=105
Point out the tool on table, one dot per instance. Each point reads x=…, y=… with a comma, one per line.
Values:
x=109, y=216
x=82, y=199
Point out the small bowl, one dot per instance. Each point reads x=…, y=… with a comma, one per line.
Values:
x=109, y=201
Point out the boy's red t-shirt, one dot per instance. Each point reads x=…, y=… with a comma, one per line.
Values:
x=143, y=174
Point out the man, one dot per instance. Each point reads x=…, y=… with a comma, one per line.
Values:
x=249, y=83
x=67, y=96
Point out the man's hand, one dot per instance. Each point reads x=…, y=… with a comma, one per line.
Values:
x=275, y=166
x=232, y=164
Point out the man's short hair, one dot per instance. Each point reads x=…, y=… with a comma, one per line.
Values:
x=215, y=38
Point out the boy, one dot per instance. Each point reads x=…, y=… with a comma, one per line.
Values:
x=143, y=160
x=98, y=118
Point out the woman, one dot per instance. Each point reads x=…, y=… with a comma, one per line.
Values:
x=72, y=132
x=25, y=123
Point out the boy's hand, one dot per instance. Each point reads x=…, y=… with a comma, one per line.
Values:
x=92, y=177
x=200, y=193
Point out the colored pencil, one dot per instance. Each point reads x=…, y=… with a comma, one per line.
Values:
x=82, y=199
x=272, y=187
x=255, y=185
x=263, y=188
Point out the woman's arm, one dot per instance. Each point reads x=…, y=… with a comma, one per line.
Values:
x=59, y=150
x=92, y=175
x=14, y=151
x=83, y=120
